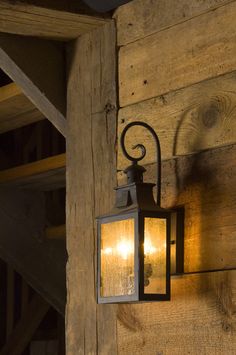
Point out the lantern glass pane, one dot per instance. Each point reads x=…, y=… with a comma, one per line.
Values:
x=155, y=230
x=117, y=258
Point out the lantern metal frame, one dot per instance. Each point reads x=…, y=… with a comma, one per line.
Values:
x=135, y=200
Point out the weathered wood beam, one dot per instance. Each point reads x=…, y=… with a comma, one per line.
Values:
x=16, y=110
x=26, y=327
x=91, y=168
x=38, y=67
x=29, y=20
x=141, y=18
x=199, y=319
x=43, y=175
x=191, y=119
x=179, y=56
x=41, y=262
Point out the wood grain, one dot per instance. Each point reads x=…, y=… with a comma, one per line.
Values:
x=45, y=174
x=205, y=184
x=29, y=20
x=39, y=76
x=199, y=319
x=91, y=165
x=16, y=110
x=193, y=51
x=195, y=118
x=141, y=18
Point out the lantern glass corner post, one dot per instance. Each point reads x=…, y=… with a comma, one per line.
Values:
x=134, y=238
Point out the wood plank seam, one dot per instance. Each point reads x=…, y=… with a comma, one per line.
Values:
x=119, y=12
x=175, y=64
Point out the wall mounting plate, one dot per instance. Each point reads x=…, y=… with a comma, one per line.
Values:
x=177, y=241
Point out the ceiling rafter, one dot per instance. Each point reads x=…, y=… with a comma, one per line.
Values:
x=30, y=20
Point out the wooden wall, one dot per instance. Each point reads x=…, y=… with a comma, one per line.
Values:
x=177, y=72
x=176, y=65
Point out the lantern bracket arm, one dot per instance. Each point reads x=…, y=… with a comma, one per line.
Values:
x=142, y=148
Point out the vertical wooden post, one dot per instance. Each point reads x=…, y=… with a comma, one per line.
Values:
x=91, y=176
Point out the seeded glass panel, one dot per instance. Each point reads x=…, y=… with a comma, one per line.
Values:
x=154, y=255
x=117, y=258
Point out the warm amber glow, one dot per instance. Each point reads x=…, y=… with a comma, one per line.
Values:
x=154, y=255
x=149, y=249
x=107, y=251
x=124, y=249
x=117, y=258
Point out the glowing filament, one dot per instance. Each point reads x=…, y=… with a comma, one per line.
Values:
x=107, y=251
x=124, y=249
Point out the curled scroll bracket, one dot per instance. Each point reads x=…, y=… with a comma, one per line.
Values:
x=142, y=148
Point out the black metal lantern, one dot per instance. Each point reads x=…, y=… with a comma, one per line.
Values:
x=134, y=238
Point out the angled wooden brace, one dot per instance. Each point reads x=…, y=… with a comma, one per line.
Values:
x=38, y=67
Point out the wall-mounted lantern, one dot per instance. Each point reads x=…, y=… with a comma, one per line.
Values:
x=134, y=239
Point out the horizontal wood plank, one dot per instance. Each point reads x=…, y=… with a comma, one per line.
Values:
x=198, y=49
x=29, y=20
x=16, y=110
x=205, y=184
x=199, y=319
x=198, y=117
x=141, y=18
x=45, y=174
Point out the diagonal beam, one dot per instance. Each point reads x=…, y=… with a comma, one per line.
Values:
x=26, y=327
x=38, y=67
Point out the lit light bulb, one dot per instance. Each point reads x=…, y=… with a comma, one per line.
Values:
x=149, y=248
x=124, y=249
x=107, y=251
